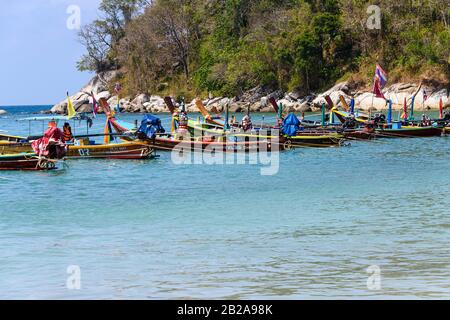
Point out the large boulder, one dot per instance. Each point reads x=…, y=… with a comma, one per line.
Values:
x=3, y=112
x=152, y=104
x=141, y=99
x=103, y=95
x=368, y=102
x=87, y=107
x=99, y=83
x=302, y=107
x=340, y=89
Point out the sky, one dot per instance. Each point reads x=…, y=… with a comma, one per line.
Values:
x=38, y=52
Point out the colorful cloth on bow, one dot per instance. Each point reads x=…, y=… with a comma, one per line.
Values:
x=52, y=137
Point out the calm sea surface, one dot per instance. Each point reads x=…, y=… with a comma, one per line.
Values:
x=153, y=229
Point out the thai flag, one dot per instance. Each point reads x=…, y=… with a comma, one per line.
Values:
x=381, y=75
x=94, y=105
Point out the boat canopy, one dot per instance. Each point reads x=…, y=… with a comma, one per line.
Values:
x=150, y=126
x=291, y=125
x=79, y=116
x=53, y=118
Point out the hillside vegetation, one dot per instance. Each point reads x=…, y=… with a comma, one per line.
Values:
x=190, y=47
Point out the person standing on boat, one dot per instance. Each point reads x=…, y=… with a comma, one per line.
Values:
x=182, y=131
x=247, y=123
x=67, y=130
x=52, y=144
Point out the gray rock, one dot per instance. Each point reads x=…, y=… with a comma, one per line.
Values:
x=3, y=111
x=105, y=95
x=141, y=99
x=60, y=108
x=85, y=108
x=266, y=109
x=235, y=108
x=295, y=95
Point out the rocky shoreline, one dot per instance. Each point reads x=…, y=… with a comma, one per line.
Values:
x=257, y=99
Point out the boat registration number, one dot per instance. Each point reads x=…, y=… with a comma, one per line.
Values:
x=84, y=152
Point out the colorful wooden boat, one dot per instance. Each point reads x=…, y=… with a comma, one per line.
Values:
x=7, y=147
x=125, y=150
x=169, y=142
x=7, y=138
x=128, y=150
x=309, y=139
x=26, y=161
x=409, y=132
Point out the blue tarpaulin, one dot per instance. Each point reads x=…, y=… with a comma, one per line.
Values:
x=291, y=125
x=150, y=125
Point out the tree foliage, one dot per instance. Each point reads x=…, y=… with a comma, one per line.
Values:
x=228, y=46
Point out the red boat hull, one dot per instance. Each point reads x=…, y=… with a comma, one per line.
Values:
x=410, y=132
x=26, y=162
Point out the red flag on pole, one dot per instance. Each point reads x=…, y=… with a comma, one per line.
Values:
x=441, y=109
x=377, y=89
x=94, y=105
x=405, y=111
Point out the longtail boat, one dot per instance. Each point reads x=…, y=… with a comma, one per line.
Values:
x=82, y=146
x=152, y=133
x=386, y=128
x=409, y=132
x=26, y=161
x=304, y=138
x=126, y=150
x=169, y=142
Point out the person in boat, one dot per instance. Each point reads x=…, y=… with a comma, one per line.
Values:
x=379, y=118
x=67, y=131
x=52, y=144
x=247, y=123
x=350, y=122
x=426, y=121
x=183, y=121
x=447, y=116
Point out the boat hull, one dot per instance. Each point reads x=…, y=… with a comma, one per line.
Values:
x=311, y=140
x=14, y=147
x=169, y=144
x=129, y=150
x=126, y=151
x=27, y=162
x=411, y=132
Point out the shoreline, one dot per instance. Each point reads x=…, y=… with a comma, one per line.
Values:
x=256, y=100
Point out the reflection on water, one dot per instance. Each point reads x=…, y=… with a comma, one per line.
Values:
x=151, y=229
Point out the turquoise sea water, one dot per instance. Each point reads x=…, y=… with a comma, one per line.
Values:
x=155, y=230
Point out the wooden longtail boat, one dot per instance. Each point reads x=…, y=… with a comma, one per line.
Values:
x=14, y=147
x=309, y=139
x=26, y=161
x=125, y=150
x=386, y=130
x=306, y=138
x=128, y=150
x=7, y=138
x=169, y=142
x=409, y=132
